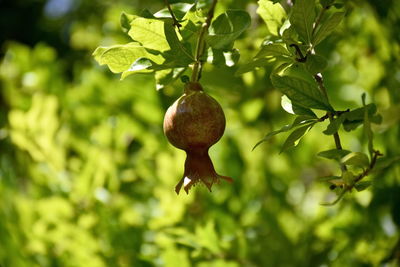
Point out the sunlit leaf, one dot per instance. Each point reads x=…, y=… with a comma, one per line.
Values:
x=273, y=15
x=150, y=33
x=119, y=58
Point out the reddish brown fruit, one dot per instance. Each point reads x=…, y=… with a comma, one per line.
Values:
x=194, y=123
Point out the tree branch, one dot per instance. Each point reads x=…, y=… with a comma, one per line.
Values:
x=201, y=44
x=318, y=78
x=370, y=167
x=175, y=21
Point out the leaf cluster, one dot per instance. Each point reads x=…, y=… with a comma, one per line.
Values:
x=158, y=46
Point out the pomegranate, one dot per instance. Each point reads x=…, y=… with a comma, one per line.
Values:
x=194, y=123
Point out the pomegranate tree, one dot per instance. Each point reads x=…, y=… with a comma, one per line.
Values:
x=194, y=123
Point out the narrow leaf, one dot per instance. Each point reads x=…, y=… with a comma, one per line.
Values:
x=367, y=130
x=326, y=27
x=294, y=138
x=272, y=14
x=336, y=154
x=302, y=18
x=299, y=121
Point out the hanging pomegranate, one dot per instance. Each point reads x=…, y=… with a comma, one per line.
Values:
x=194, y=123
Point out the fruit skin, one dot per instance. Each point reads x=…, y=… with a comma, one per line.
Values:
x=194, y=123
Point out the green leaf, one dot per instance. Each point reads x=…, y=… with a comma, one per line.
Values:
x=290, y=36
x=358, y=159
x=326, y=27
x=141, y=64
x=358, y=114
x=336, y=154
x=126, y=20
x=367, y=129
x=254, y=64
x=119, y=58
x=361, y=186
x=294, y=138
x=191, y=25
x=331, y=179
x=356, y=117
x=273, y=15
x=224, y=58
x=299, y=121
x=294, y=108
x=301, y=92
x=316, y=64
x=226, y=28
x=150, y=33
x=179, y=10
x=334, y=125
x=160, y=36
x=326, y=3
x=165, y=77
x=273, y=50
x=385, y=162
x=302, y=18
x=348, y=177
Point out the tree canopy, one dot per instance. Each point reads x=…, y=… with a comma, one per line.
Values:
x=311, y=95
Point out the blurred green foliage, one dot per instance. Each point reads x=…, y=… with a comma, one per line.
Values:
x=87, y=177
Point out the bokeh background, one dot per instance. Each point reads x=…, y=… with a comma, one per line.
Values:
x=87, y=177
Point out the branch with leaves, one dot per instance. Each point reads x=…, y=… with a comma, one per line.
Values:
x=171, y=42
x=297, y=74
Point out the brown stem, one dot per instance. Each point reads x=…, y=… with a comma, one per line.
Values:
x=201, y=44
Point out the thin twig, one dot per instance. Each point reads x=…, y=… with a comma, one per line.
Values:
x=175, y=21
x=318, y=78
x=370, y=167
x=201, y=45
x=301, y=58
